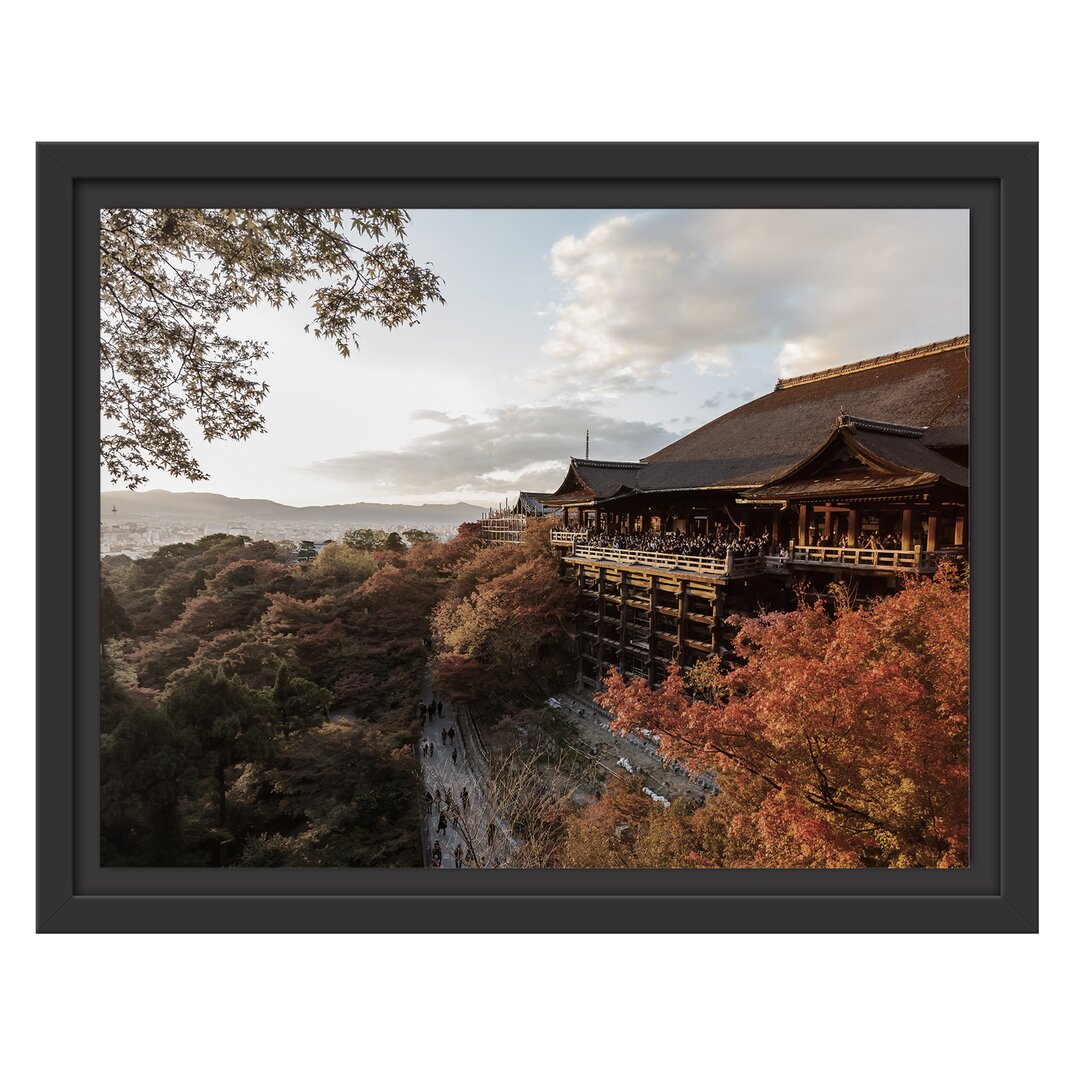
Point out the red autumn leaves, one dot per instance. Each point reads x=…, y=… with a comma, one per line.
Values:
x=841, y=740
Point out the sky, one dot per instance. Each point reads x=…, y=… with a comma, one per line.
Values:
x=636, y=325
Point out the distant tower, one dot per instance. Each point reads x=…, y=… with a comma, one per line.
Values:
x=586, y=444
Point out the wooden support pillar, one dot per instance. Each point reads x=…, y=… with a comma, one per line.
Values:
x=931, y=531
x=854, y=520
x=624, y=593
x=828, y=527
x=775, y=529
x=905, y=529
x=803, y=513
x=652, y=631
x=580, y=622
x=717, y=618
x=683, y=604
x=600, y=613
x=958, y=533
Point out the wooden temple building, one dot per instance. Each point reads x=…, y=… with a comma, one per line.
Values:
x=856, y=473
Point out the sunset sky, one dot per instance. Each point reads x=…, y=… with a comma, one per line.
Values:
x=639, y=325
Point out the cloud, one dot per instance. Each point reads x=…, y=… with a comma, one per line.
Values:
x=724, y=290
x=728, y=399
x=715, y=363
x=437, y=416
x=507, y=449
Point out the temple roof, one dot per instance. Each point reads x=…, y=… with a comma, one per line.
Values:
x=532, y=502
x=924, y=389
x=861, y=457
x=588, y=481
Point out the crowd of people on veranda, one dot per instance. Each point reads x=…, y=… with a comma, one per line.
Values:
x=876, y=542
x=714, y=546
x=717, y=545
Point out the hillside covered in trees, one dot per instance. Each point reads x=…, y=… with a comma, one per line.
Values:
x=260, y=712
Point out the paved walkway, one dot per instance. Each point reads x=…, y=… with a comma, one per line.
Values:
x=457, y=787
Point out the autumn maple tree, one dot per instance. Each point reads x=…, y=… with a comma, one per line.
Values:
x=502, y=622
x=839, y=739
x=171, y=278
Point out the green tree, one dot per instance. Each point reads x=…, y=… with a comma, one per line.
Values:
x=344, y=794
x=366, y=539
x=114, y=619
x=171, y=278
x=419, y=536
x=145, y=770
x=342, y=565
x=225, y=722
x=298, y=703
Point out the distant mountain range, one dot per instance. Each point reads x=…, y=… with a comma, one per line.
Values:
x=208, y=507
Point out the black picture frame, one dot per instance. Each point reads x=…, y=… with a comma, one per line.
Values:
x=996, y=181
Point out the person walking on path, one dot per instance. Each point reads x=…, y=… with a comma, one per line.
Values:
x=429, y=800
x=420, y=709
x=438, y=798
x=442, y=823
x=450, y=732
x=444, y=736
x=438, y=707
x=431, y=711
x=458, y=853
x=465, y=798
x=453, y=755
x=436, y=854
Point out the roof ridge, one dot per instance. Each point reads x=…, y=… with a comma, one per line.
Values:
x=877, y=361
x=606, y=464
x=882, y=427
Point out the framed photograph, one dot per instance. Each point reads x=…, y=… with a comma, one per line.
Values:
x=634, y=527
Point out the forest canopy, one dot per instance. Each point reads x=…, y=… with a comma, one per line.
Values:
x=258, y=711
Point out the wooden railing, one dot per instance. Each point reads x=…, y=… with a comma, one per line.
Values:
x=731, y=566
x=915, y=561
x=912, y=562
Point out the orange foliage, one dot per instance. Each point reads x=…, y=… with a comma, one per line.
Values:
x=841, y=740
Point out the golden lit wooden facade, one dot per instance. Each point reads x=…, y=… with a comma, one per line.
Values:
x=856, y=474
